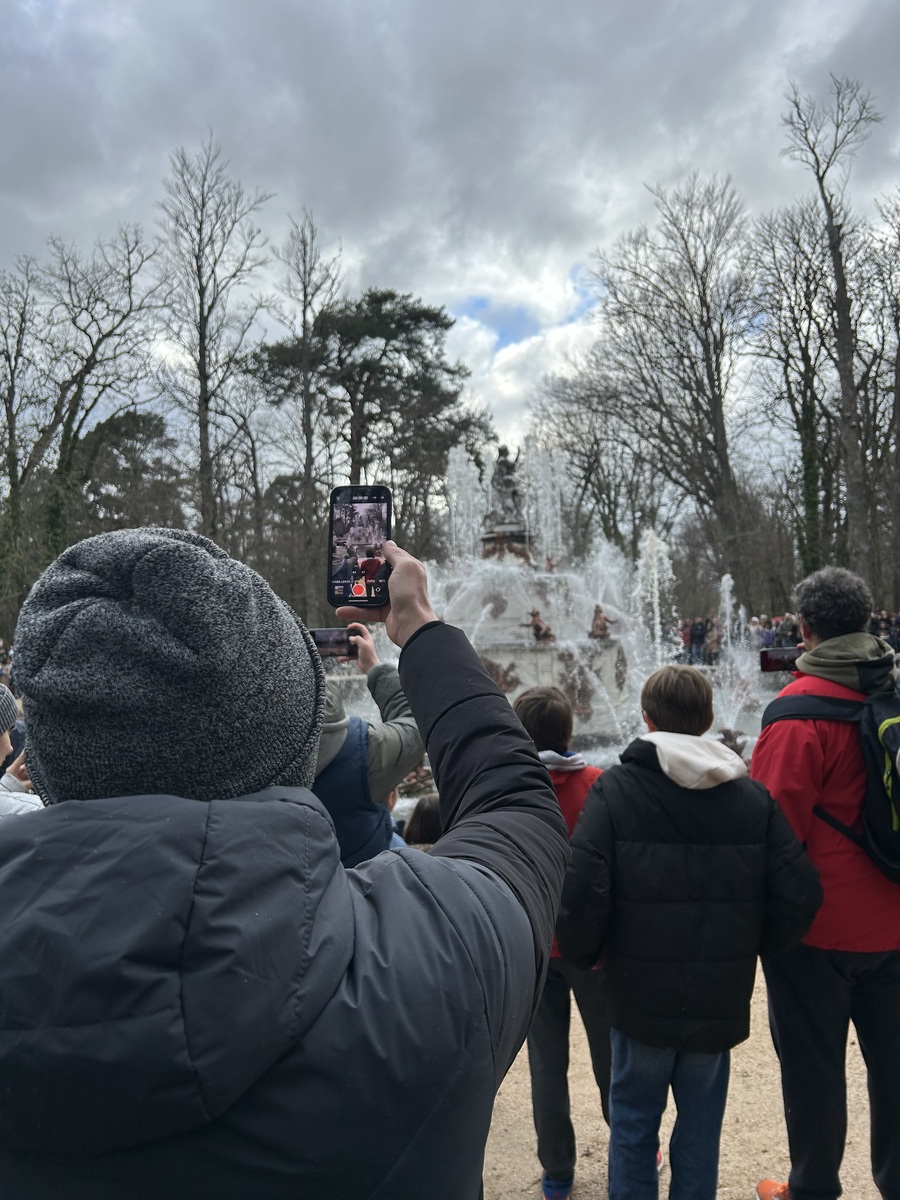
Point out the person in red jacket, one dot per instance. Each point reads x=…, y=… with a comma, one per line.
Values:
x=847, y=967
x=547, y=716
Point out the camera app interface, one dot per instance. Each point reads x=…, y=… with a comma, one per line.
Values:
x=358, y=533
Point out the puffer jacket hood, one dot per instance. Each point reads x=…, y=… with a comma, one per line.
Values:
x=693, y=762
x=167, y=952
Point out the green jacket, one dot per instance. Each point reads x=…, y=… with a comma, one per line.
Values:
x=395, y=744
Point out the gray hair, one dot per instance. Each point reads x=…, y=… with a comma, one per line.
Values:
x=833, y=602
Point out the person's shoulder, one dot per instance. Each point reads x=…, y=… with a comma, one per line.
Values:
x=14, y=803
x=813, y=685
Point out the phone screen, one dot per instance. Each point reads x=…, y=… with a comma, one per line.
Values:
x=779, y=658
x=359, y=524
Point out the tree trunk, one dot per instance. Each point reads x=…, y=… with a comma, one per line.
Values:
x=208, y=522
x=858, y=535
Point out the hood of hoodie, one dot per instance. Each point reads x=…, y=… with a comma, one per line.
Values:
x=694, y=762
x=159, y=956
x=859, y=661
x=562, y=762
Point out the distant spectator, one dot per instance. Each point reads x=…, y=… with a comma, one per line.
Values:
x=424, y=825
x=698, y=639
x=16, y=795
x=359, y=761
x=548, y=717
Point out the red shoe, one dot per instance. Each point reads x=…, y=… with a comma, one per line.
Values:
x=771, y=1189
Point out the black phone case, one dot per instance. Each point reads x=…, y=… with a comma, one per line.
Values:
x=350, y=583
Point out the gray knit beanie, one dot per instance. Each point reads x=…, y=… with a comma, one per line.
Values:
x=149, y=661
x=9, y=712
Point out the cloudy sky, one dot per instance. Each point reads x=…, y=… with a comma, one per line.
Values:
x=475, y=153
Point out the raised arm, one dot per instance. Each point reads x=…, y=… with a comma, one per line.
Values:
x=497, y=803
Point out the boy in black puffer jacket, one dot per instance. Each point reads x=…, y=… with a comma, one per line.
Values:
x=683, y=871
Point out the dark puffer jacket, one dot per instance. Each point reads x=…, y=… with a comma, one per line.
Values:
x=199, y=1003
x=680, y=890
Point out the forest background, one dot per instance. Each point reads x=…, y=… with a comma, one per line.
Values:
x=741, y=399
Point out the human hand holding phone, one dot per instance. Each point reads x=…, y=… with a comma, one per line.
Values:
x=408, y=608
x=366, y=656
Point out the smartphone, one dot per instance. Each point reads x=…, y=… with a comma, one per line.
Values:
x=779, y=658
x=359, y=523
x=334, y=643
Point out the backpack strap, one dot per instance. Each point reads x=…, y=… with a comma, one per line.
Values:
x=812, y=708
x=831, y=820
x=819, y=708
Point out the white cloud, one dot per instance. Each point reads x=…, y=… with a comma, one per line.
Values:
x=505, y=380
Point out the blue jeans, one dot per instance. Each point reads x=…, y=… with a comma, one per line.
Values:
x=639, y=1089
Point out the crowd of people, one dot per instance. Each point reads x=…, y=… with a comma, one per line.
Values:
x=703, y=638
x=228, y=971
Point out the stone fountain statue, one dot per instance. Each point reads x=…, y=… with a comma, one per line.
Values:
x=505, y=530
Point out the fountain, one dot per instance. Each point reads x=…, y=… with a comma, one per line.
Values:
x=596, y=631
x=537, y=623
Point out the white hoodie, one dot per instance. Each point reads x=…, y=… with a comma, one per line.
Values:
x=695, y=762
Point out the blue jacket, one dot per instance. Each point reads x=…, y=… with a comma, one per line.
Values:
x=363, y=827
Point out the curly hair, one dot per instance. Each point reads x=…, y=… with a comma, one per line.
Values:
x=833, y=602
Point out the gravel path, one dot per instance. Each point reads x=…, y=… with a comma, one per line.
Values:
x=754, y=1143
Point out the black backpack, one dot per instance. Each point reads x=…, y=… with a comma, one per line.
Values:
x=878, y=717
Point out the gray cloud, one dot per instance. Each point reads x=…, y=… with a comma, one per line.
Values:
x=479, y=148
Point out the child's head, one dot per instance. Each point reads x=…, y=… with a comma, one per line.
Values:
x=547, y=716
x=678, y=699
x=424, y=826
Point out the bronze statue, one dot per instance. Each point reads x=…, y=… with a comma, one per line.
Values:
x=541, y=630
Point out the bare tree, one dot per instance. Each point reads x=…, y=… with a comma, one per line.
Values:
x=616, y=487
x=30, y=414
x=793, y=338
x=825, y=138
x=102, y=318
x=676, y=303
x=291, y=372
x=75, y=339
x=886, y=270
x=212, y=250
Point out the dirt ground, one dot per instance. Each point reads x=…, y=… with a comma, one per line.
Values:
x=754, y=1143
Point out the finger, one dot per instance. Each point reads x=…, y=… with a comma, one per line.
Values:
x=394, y=554
x=348, y=613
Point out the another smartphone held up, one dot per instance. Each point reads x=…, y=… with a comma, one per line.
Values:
x=334, y=643
x=359, y=523
x=779, y=658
